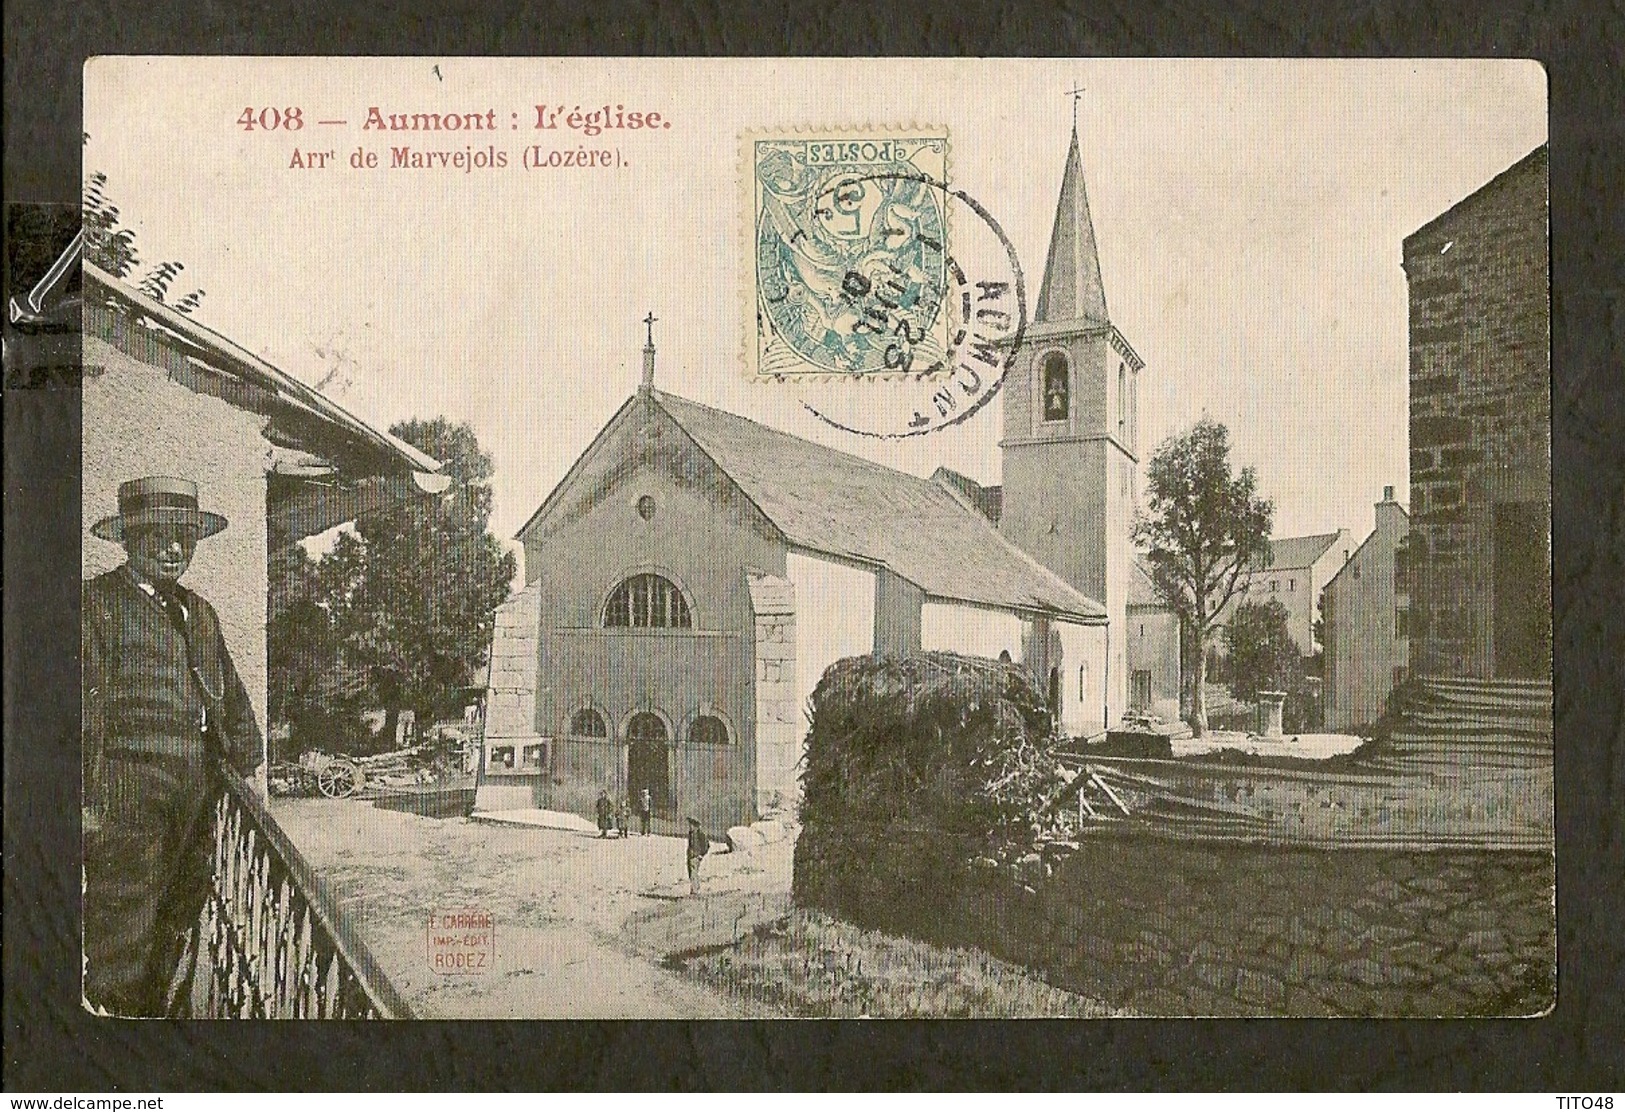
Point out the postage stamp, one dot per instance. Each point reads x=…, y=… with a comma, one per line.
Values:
x=850, y=252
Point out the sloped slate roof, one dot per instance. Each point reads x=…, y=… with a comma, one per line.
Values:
x=986, y=500
x=1140, y=589
x=1299, y=552
x=828, y=501
x=1072, y=288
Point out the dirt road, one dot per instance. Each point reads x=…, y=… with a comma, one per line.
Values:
x=580, y=923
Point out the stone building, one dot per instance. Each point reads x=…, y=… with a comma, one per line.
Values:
x=1071, y=444
x=1480, y=432
x=1297, y=573
x=1071, y=447
x=1366, y=610
x=1154, y=649
x=162, y=394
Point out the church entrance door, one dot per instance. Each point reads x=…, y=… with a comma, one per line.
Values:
x=648, y=761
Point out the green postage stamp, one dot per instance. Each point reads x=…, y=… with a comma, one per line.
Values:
x=850, y=252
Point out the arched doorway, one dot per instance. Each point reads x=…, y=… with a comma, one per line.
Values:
x=648, y=761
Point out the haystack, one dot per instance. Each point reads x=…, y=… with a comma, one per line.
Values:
x=959, y=746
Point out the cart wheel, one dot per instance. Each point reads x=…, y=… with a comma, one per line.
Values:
x=338, y=779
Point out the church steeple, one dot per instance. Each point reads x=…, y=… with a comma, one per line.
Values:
x=1070, y=446
x=1072, y=290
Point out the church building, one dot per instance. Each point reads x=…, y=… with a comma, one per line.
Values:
x=694, y=573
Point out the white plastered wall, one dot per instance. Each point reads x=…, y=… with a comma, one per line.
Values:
x=973, y=630
x=835, y=618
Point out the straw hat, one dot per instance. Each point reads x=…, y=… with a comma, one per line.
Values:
x=157, y=500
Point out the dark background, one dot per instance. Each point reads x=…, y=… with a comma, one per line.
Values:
x=51, y=1044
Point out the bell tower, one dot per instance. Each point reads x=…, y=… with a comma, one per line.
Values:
x=1071, y=438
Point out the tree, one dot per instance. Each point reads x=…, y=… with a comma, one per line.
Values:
x=1203, y=528
x=112, y=248
x=1263, y=656
x=315, y=689
x=412, y=590
x=106, y=245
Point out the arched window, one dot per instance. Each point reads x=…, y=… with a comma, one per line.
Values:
x=647, y=602
x=1004, y=656
x=588, y=723
x=1055, y=693
x=1057, y=388
x=708, y=729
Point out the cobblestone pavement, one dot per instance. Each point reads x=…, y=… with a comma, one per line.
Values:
x=580, y=923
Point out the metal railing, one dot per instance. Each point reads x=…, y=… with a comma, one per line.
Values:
x=277, y=943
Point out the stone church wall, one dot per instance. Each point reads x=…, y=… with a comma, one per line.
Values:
x=778, y=717
x=699, y=535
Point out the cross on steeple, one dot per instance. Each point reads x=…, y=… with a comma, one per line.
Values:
x=1076, y=95
x=649, y=352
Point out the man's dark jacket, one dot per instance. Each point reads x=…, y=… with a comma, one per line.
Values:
x=140, y=691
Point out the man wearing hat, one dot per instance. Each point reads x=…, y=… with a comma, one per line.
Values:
x=163, y=706
x=699, y=844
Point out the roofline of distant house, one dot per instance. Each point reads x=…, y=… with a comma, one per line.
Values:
x=1355, y=555
x=1472, y=197
x=1273, y=566
x=281, y=382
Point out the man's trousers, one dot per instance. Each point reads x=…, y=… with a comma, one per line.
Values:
x=148, y=862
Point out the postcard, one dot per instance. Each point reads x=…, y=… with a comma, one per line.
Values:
x=723, y=538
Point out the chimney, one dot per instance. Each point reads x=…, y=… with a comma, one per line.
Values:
x=1390, y=517
x=649, y=354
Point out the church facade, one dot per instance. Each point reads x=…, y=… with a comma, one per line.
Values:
x=695, y=572
x=691, y=579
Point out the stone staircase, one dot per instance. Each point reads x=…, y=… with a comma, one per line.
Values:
x=1471, y=724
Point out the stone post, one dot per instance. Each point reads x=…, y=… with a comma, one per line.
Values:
x=778, y=738
x=1270, y=702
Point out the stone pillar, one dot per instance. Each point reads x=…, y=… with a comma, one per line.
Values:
x=1270, y=702
x=778, y=727
x=510, y=703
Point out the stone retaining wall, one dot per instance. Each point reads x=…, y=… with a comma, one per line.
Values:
x=1167, y=927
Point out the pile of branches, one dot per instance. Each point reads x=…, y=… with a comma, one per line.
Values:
x=958, y=745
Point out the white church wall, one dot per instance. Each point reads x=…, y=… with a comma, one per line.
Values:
x=1083, y=663
x=835, y=618
x=973, y=630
